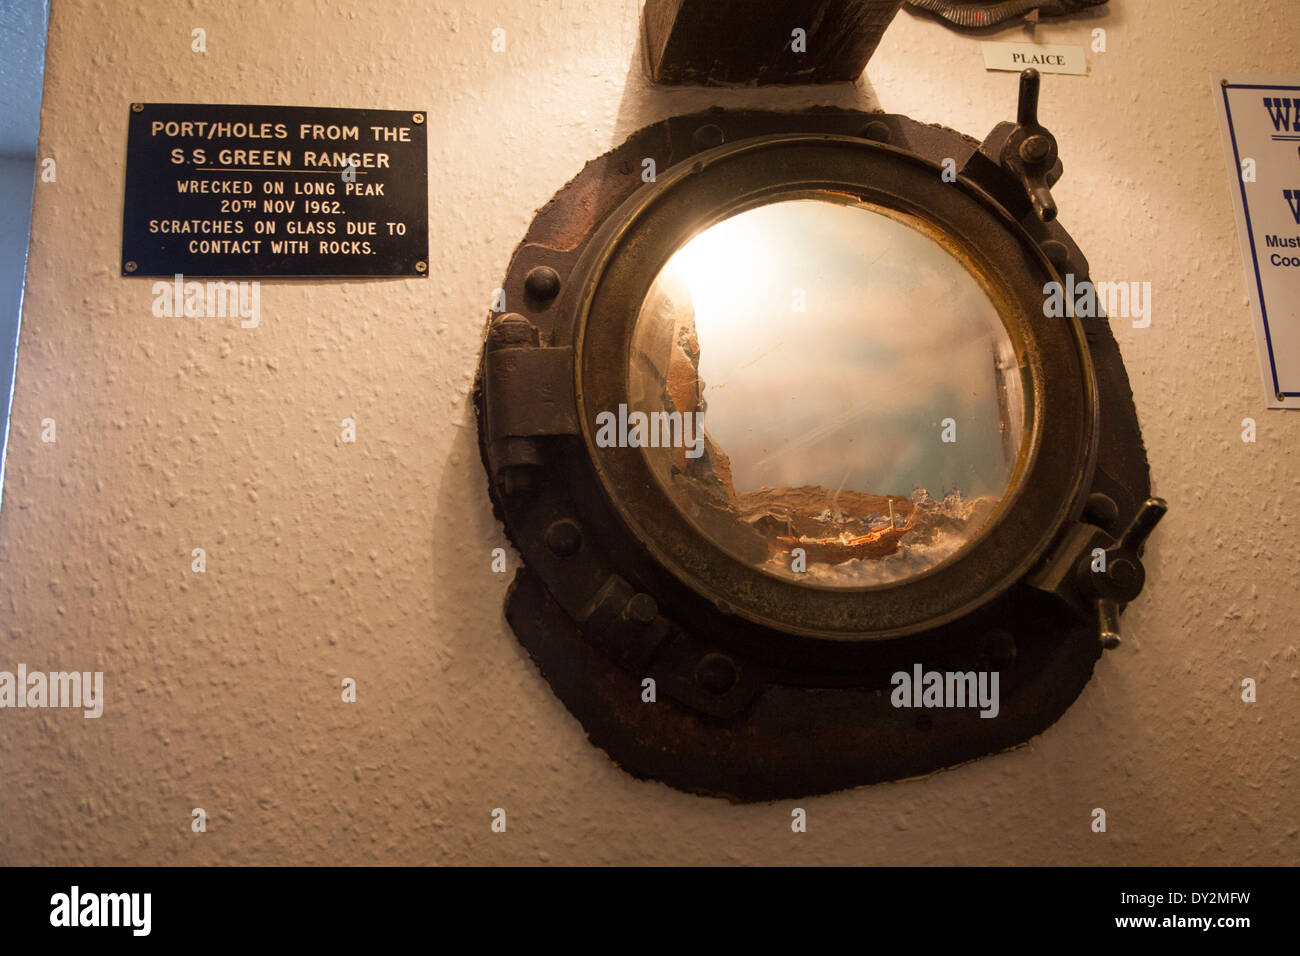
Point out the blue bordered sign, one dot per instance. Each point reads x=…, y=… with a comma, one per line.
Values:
x=1259, y=117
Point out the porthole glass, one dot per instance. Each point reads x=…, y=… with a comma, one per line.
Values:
x=826, y=391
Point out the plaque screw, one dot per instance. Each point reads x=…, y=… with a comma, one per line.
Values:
x=418, y=118
x=421, y=267
x=137, y=107
x=130, y=266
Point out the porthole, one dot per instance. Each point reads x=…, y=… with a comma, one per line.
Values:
x=790, y=421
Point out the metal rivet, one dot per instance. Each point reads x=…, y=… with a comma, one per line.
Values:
x=512, y=331
x=1101, y=510
x=542, y=283
x=564, y=538
x=130, y=266
x=1057, y=253
x=708, y=136
x=716, y=673
x=877, y=131
x=641, y=608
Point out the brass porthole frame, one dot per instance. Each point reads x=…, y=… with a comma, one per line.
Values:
x=1055, y=464
x=756, y=706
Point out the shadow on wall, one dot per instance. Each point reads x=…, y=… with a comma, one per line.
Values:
x=23, y=25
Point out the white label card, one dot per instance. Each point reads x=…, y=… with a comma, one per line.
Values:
x=1043, y=57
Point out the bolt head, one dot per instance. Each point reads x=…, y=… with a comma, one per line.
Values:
x=1056, y=251
x=877, y=131
x=1124, y=574
x=1101, y=510
x=1034, y=149
x=564, y=538
x=641, y=608
x=716, y=673
x=542, y=283
x=512, y=330
x=708, y=136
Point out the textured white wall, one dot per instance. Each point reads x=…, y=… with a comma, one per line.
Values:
x=370, y=560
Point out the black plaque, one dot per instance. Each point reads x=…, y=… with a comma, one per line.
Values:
x=275, y=191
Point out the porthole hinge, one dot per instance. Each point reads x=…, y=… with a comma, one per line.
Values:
x=528, y=396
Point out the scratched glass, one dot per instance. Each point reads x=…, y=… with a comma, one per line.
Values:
x=832, y=393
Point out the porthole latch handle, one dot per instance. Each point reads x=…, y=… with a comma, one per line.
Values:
x=1029, y=152
x=1116, y=576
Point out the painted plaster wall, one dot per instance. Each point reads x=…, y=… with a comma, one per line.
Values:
x=370, y=560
